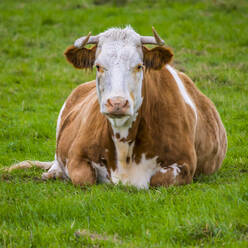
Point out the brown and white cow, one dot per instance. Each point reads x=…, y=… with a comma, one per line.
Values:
x=141, y=122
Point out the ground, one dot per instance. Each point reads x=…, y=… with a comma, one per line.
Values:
x=210, y=42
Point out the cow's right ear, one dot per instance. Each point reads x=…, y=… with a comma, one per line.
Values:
x=81, y=58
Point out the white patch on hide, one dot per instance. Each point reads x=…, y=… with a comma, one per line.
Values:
x=123, y=130
x=138, y=175
x=59, y=119
x=182, y=89
x=59, y=167
x=130, y=173
x=175, y=170
x=55, y=171
x=55, y=167
x=163, y=170
x=119, y=127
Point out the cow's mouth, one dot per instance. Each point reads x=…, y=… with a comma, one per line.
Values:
x=116, y=116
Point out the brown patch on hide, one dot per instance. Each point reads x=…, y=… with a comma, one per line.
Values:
x=157, y=57
x=81, y=58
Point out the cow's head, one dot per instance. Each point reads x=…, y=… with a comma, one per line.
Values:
x=120, y=60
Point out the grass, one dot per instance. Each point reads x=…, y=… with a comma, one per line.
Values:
x=210, y=42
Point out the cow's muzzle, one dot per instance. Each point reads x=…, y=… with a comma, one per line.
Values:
x=117, y=107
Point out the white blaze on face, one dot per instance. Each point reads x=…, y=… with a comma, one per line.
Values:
x=119, y=53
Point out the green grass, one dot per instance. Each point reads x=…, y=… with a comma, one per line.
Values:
x=210, y=42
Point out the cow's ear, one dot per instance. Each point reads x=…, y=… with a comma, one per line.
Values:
x=157, y=57
x=81, y=58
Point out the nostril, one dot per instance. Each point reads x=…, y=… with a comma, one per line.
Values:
x=125, y=104
x=109, y=103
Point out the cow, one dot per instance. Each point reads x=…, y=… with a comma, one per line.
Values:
x=140, y=123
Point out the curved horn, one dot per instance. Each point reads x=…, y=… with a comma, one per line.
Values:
x=81, y=42
x=156, y=40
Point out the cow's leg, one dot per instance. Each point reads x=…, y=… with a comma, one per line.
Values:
x=174, y=174
x=81, y=173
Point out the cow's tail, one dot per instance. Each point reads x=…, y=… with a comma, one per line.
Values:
x=29, y=164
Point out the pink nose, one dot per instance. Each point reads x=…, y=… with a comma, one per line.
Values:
x=117, y=106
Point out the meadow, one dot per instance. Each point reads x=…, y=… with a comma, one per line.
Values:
x=210, y=42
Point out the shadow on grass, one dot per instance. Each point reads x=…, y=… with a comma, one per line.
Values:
x=34, y=175
x=210, y=233
x=11, y=178
x=209, y=179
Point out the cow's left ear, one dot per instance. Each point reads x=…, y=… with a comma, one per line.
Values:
x=81, y=58
x=157, y=57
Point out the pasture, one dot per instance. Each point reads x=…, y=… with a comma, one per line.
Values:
x=210, y=43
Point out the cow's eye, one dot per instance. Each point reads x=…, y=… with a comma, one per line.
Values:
x=99, y=68
x=139, y=67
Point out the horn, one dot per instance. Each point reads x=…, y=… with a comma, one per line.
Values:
x=81, y=42
x=156, y=40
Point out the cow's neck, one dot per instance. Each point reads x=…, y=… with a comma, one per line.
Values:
x=124, y=142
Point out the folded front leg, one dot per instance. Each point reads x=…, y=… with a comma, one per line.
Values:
x=172, y=175
x=81, y=172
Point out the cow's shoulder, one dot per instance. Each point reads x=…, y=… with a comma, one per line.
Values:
x=77, y=96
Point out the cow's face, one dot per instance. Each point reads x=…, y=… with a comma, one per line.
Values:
x=120, y=60
x=119, y=80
